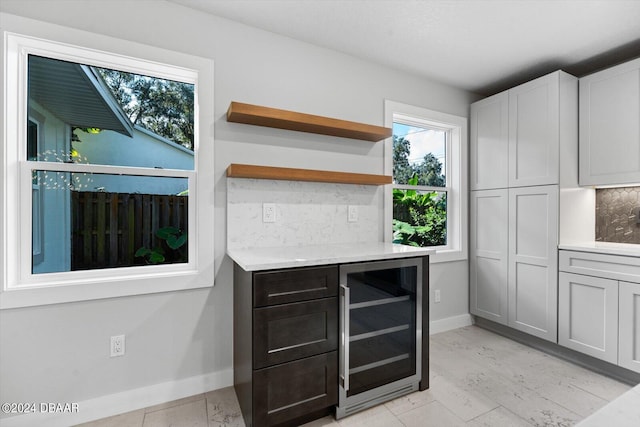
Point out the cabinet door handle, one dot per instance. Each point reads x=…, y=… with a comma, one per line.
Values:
x=345, y=298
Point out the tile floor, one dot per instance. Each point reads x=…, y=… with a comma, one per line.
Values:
x=477, y=379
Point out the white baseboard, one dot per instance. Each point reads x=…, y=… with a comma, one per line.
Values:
x=454, y=322
x=126, y=401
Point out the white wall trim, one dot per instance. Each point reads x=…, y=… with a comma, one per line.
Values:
x=449, y=323
x=126, y=401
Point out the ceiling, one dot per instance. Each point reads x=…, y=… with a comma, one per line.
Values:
x=484, y=46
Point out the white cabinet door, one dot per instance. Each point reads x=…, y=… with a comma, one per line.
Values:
x=588, y=315
x=489, y=164
x=533, y=260
x=534, y=132
x=610, y=126
x=629, y=344
x=488, y=250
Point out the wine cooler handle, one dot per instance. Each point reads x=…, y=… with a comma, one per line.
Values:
x=344, y=343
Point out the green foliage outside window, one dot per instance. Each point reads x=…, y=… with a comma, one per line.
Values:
x=419, y=218
x=164, y=107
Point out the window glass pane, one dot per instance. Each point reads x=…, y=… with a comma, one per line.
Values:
x=419, y=155
x=108, y=117
x=95, y=221
x=419, y=217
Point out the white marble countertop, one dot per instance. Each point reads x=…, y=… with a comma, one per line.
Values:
x=626, y=249
x=621, y=412
x=254, y=259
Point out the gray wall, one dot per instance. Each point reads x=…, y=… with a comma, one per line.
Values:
x=59, y=353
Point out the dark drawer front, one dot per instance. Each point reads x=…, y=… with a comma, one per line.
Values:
x=291, y=390
x=292, y=331
x=298, y=284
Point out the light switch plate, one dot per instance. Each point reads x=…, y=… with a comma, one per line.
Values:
x=352, y=215
x=268, y=212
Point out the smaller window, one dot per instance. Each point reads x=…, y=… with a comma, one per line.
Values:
x=426, y=205
x=420, y=184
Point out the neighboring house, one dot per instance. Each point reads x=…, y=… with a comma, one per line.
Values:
x=64, y=98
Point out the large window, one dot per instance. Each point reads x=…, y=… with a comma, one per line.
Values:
x=139, y=129
x=426, y=157
x=102, y=170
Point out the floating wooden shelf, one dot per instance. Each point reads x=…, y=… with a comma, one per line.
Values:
x=290, y=120
x=289, y=174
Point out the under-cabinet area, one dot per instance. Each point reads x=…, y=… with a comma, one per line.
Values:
x=329, y=339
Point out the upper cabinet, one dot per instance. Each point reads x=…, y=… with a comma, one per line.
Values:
x=515, y=135
x=610, y=126
x=534, y=131
x=489, y=143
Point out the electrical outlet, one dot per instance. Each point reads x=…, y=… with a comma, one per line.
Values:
x=268, y=212
x=117, y=345
x=436, y=296
x=352, y=215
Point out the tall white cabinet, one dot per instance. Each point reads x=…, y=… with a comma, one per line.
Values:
x=489, y=268
x=610, y=126
x=518, y=143
x=533, y=260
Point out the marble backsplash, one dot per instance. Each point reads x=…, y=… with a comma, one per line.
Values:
x=306, y=213
x=616, y=215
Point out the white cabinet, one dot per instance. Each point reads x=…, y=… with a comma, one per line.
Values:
x=515, y=136
x=629, y=347
x=610, y=126
x=533, y=260
x=513, y=262
x=489, y=132
x=588, y=315
x=599, y=306
x=534, y=131
x=488, y=263
x=520, y=140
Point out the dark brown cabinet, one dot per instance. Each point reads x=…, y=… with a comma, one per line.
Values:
x=285, y=344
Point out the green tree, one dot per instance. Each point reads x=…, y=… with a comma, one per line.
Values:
x=164, y=107
x=429, y=172
x=402, y=170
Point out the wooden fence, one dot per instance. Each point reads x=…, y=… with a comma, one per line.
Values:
x=108, y=228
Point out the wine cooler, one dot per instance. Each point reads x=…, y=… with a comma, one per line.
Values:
x=381, y=332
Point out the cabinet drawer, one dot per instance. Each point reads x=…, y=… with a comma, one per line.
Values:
x=291, y=390
x=292, y=331
x=601, y=265
x=298, y=284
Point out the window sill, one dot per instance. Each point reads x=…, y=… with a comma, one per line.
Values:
x=45, y=295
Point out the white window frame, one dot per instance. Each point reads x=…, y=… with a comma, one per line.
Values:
x=20, y=287
x=36, y=193
x=456, y=175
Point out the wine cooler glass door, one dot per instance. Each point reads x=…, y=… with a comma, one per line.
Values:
x=379, y=342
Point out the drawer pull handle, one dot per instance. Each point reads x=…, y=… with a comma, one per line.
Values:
x=301, y=291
